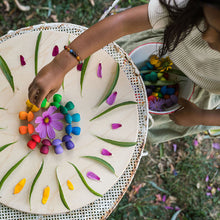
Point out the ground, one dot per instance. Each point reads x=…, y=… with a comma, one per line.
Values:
x=177, y=176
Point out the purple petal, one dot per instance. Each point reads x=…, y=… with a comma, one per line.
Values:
x=207, y=178
x=164, y=198
x=195, y=142
x=116, y=125
x=105, y=152
x=218, y=189
x=99, y=71
x=169, y=207
x=111, y=99
x=216, y=146
x=79, y=66
x=209, y=187
x=177, y=208
x=57, y=125
x=51, y=110
x=209, y=194
x=38, y=120
x=92, y=176
x=41, y=129
x=22, y=60
x=174, y=147
x=57, y=116
x=55, y=51
x=50, y=132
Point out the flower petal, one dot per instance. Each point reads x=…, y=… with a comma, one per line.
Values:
x=51, y=110
x=50, y=132
x=92, y=176
x=216, y=146
x=38, y=120
x=99, y=71
x=207, y=178
x=168, y=207
x=57, y=116
x=116, y=125
x=164, y=198
x=57, y=125
x=41, y=129
x=111, y=99
x=55, y=51
x=195, y=142
x=105, y=152
x=79, y=66
x=22, y=60
x=174, y=147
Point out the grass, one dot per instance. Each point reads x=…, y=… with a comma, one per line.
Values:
x=182, y=173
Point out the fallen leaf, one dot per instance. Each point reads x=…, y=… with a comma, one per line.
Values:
x=7, y=6
x=92, y=2
x=54, y=18
x=22, y=7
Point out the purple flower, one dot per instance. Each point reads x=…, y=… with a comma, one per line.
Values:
x=209, y=187
x=209, y=194
x=216, y=146
x=157, y=105
x=164, y=198
x=207, y=178
x=48, y=122
x=218, y=189
x=55, y=51
x=99, y=71
x=168, y=207
x=174, y=147
x=111, y=99
x=195, y=142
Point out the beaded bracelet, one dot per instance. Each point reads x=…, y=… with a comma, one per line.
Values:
x=73, y=53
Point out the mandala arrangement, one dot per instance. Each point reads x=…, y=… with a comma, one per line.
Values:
x=41, y=125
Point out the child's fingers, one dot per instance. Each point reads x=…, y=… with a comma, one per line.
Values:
x=183, y=102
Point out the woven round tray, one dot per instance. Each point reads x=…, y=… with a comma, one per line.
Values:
x=101, y=208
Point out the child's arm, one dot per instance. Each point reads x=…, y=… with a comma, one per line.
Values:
x=191, y=115
x=49, y=79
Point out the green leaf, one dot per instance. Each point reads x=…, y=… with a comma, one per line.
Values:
x=113, y=107
x=84, y=181
x=61, y=193
x=176, y=214
x=36, y=52
x=2, y=108
x=11, y=170
x=6, y=71
x=112, y=86
x=157, y=187
x=118, y=143
x=101, y=161
x=160, y=83
x=176, y=72
x=35, y=180
x=6, y=145
x=85, y=63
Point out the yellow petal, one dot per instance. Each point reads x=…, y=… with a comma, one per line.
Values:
x=70, y=185
x=19, y=186
x=46, y=194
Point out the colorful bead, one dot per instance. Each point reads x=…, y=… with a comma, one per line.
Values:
x=44, y=149
x=69, y=145
x=23, y=130
x=66, y=138
x=76, y=117
x=56, y=142
x=46, y=142
x=57, y=98
x=58, y=149
x=68, y=118
x=30, y=129
x=69, y=106
x=31, y=144
x=68, y=129
x=36, y=138
x=76, y=130
x=63, y=110
x=56, y=104
x=45, y=104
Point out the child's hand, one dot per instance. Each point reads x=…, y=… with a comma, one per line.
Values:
x=188, y=115
x=45, y=84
